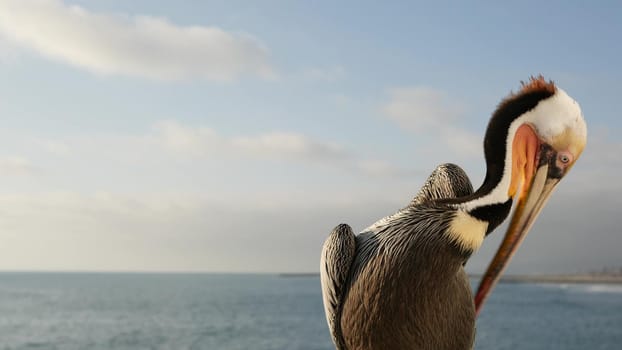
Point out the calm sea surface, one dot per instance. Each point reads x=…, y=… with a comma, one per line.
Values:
x=210, y=311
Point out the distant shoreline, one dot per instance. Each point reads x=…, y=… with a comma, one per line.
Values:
x=604, y=279
x=579, y=278
x=586, y=278
x=299, y=274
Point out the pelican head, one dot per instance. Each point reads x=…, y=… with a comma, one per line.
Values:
x=546, y=136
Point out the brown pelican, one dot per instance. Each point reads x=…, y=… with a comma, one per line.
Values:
x=400, y=284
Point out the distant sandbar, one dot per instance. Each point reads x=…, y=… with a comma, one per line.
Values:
x=579, y=278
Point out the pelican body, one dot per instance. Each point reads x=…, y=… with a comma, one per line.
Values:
x=400, y=283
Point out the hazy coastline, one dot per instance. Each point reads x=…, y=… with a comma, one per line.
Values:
x=569, y=278
x=579, y=278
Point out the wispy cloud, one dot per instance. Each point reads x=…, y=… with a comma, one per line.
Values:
x=284, y=145
x=142, y=46
x=425, y=110
x=327, y=74
x=276, y=145
x=419, y=108
x=172, y=141
x=291, y=146
x=14, y=165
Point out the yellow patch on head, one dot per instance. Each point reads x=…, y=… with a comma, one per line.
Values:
x=570, y=141
x=467, y=231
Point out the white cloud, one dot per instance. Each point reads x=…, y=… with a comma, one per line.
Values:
x=461, y=140
x=291, y=146
x=278, y=145
x=383, y=168
x=428, y=111
x=175, y=143
x=142, y=46
x=419, y=108
x=12, y=165
x=180, y=138
x=327, y=74
x=53, y=147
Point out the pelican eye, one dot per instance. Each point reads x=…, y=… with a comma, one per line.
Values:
x=564, y=158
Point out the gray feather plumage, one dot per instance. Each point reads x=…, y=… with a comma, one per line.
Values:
x=446, y=181
x=337, y=255
x=364, y=277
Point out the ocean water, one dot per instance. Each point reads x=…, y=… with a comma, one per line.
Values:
x=212, y=311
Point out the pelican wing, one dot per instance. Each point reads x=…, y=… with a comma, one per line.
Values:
x=337, y=256
x=446, y=181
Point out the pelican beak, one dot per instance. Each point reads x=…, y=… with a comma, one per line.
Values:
x=530, y=203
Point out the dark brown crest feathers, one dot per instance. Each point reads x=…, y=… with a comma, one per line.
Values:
x=535, y=84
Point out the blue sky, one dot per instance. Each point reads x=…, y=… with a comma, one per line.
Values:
x=233, y=135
